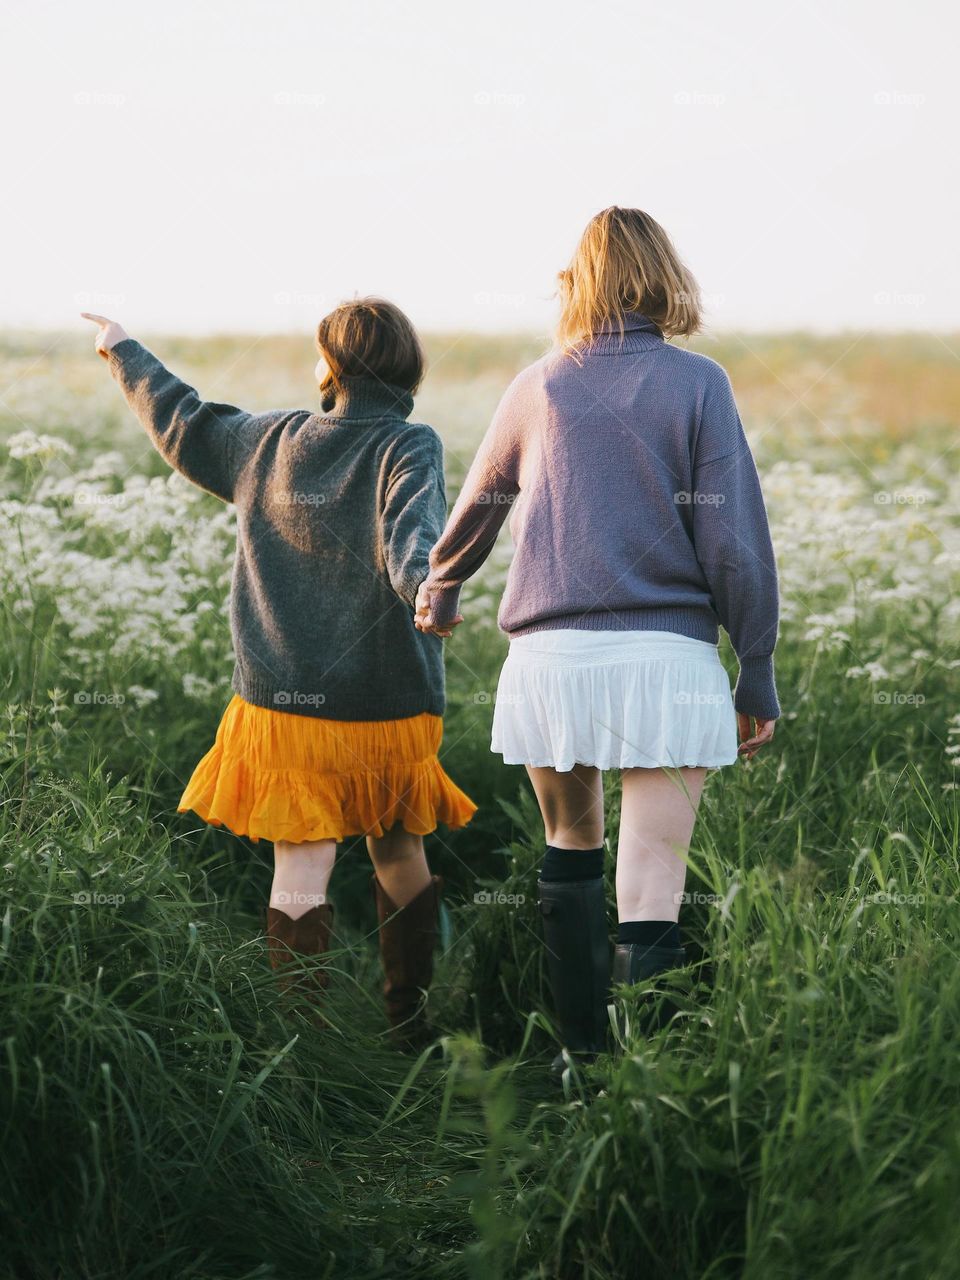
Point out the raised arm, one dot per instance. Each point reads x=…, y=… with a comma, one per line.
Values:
x=733, y=544
x=484, y=502
x=206, y=441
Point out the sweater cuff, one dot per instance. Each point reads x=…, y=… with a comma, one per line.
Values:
x=756, y=691
x=444, y=604
x=125, y=347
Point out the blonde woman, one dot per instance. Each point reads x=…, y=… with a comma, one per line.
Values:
x=639, y=529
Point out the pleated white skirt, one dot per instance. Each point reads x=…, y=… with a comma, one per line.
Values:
x=614, y=699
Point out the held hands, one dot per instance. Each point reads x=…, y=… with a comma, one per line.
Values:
x=424, y=622
x=108, y=334
x=750, y=744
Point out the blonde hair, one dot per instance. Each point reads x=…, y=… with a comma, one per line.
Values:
x=625, y=261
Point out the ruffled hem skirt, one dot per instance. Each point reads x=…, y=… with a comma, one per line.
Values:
x=615, y=700
x=273, y=775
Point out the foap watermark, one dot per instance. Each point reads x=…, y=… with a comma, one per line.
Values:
x=105, y=302
x=898, y=298
x=89, y=498
x=898, y=98
x=301, y=499
x=698, y=98
x=491, y=298
x=98, y=698
x=297, y=899
x=697, y=698
x=494, y=498
x=498, y=98
x=897, y=698
x=885, y=898
x=294, y=98
x=89, y=898
x=694, y=498
x=484, y=697
x=98, y=98
x=900, y=497
x=298, y=698
x=293, y=298
x=695, y=898
x=494, y=897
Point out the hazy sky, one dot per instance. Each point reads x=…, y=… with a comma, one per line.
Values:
x=234, y=165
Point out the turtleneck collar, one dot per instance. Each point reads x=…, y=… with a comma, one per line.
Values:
x=365, y=398
x=639, y=334
x=633, y=321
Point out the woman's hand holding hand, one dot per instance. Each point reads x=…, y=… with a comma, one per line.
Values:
x=750, y=743
x=423, y=621
x=108, y=334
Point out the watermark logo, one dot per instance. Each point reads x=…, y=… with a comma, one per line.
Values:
x=697, y=698
x=297, y=698
x=296, y=898
x=498, y=98
x=900, y=498
x=492, y=498
x=697, y=98
x=98, y=698
x=86, y=898
x=291, y=98
x=493, y=897
x=302, y=499
x=897, y=698
x=687, y=498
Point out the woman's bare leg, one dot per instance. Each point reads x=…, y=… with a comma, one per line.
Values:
x=571, y=805
x=301, y=873
x=400, y=863
x=657, y=815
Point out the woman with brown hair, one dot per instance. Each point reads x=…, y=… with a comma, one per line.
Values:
x=337, y=715
x=639, y=528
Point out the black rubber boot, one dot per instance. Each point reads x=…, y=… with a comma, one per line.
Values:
x=637, y=962
x=574, y=917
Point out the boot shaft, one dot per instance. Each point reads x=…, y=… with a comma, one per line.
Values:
x=574, y=916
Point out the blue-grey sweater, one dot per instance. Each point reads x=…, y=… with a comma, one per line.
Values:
x=634, y=504
x=336, y=515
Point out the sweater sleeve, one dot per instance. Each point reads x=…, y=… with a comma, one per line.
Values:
x=733, y=545
x=207, y=442
x=488, y=492
x=414, y=508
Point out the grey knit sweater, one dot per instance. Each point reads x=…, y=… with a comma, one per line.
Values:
x=634, y=504
x=336, y=515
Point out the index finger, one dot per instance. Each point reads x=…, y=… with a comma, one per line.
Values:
x=89, y=315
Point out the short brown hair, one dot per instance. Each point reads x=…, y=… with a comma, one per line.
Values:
x=625, y=261
x=372, y=338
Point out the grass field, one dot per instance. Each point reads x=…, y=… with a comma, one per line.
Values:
x=161, y=1117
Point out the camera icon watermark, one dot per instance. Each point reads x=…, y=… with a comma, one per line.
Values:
x=295, y=898
x=692, y=498
x=97, y=698
x=298, y=698
x=89, y=898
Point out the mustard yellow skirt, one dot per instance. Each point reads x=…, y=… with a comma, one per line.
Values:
x=272, y=775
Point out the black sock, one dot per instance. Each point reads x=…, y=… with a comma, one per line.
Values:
x=572, y=864
x=650, y=933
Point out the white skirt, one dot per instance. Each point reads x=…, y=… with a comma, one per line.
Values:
x=614, y=699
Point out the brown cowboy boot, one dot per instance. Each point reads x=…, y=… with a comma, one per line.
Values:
x=289, y=941
x=408, y=936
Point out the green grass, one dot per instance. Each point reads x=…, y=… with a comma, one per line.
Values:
x=162, y=1116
